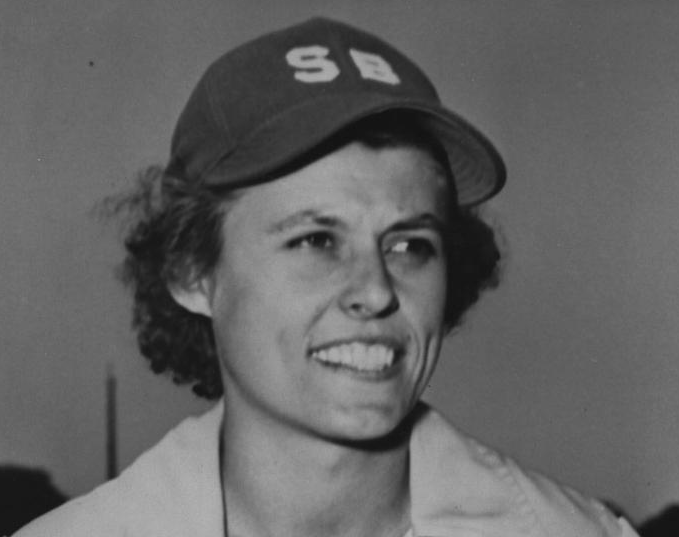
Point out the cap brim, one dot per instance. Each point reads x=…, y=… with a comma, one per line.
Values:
x=477, y=167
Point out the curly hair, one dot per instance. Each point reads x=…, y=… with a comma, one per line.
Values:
x=175, y=236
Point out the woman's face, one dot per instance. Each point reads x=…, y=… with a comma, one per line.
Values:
x=328, y=300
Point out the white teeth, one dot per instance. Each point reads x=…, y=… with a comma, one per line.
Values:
x=357, y=356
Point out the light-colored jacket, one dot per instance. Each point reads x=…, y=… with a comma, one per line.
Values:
x=458, y=488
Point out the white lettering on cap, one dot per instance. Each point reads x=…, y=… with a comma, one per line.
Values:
x=312, y=64
x=374, y=67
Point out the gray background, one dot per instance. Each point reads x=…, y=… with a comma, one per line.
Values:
x=571, y=366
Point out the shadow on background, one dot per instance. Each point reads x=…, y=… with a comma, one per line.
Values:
x=664, y=524
x=25, y=494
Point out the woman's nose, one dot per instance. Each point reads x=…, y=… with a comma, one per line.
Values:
x=369, y=290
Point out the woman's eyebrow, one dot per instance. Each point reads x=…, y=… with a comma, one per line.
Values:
x=316, y=217
x=304, y=217
x=420, y=221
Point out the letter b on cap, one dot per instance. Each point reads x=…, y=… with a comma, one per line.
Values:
x=374, y=67
x=312, y=64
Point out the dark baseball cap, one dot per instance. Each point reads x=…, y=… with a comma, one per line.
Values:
x=272, y=100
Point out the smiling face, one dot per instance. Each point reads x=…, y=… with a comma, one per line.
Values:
x=328, y=300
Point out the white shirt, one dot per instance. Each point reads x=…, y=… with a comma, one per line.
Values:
x=458, y=488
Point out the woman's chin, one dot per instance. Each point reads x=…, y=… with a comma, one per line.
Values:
x=370, y=429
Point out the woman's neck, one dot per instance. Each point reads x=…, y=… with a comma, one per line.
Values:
x=282, y=481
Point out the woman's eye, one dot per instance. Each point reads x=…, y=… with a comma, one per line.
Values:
x=314, y=241
x=418, y=248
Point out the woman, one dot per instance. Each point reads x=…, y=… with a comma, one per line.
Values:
x=302, y=256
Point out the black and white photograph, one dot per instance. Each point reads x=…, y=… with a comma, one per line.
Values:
x=295, y=268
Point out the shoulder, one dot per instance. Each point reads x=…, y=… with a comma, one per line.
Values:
x=169, y=487
x=457, y=482
x=560, y=510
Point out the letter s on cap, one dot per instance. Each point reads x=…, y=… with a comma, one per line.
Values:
x=312, y=64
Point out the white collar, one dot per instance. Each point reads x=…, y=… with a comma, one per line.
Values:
x=457, y=486
x=453, y=480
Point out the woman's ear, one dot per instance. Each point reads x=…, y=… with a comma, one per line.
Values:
x=194, y=296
